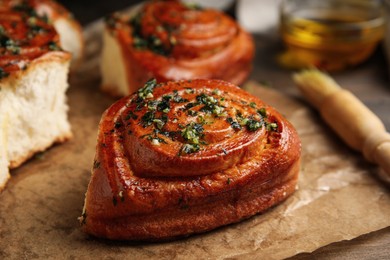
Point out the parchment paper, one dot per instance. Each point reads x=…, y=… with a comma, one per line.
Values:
x=338, y=196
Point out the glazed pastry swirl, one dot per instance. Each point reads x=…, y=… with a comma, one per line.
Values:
x=184, y=32
x=195, y=143
x=181, y=131
x=169, y=40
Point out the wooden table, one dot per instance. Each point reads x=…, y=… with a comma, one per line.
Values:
x=369, y=81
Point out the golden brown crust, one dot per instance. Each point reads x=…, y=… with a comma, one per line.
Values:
x=168, y=40
x=57, y=56
x=146, y=185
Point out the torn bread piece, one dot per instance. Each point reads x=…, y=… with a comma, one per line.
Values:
x=33, y=82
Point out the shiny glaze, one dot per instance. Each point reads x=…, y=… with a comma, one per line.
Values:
x=198, y=43
x=133, y=177
x=26, y=32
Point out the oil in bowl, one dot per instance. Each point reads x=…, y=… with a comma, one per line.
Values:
x=329, y=34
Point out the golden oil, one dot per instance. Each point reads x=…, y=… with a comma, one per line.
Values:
x=330, y=38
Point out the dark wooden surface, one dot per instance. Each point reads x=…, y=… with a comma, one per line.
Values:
x=368, y=81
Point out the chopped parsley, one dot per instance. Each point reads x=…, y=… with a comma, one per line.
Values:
x=234, y=124
x=159, y=123
x=192, y=113
x=131, y=115
x=253, y=125
x=272, y=126
x=262, y=112
x=147, y=118
x=211, y=104
x=189, y=148
x=190, y=91
x=179, y=99
x=216, y=92
x=192, y=133
x=147, y=90
x=164, y=104
x=9, y=44
x=151, y=42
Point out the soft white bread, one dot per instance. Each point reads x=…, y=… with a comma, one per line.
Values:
x=114, y=74
x=71, y=38
x=34, y=102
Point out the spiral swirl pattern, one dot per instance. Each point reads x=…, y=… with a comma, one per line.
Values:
x=193, y=143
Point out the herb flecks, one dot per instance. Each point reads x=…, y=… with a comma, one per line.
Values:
x=189, y=148
x=147, y=90
x=234, y=124
x=131, y=115
x=179, y=99
x=262, y=112
x=210, y=104
x=192, y=133
x=252, y=122
x=253, y=125
x=164, y=105
x=152, y=42
x=147, y=118
x=272, y=126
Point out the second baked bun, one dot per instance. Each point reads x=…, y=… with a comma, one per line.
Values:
x=186, y=157
x=169, y=40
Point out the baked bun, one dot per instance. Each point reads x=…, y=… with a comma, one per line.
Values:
x=33, y=80
x=186, y=157
x=169, y=40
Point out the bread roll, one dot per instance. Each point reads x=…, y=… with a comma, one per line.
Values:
x=185, y=157
x=169, y=40
x=33, y=80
